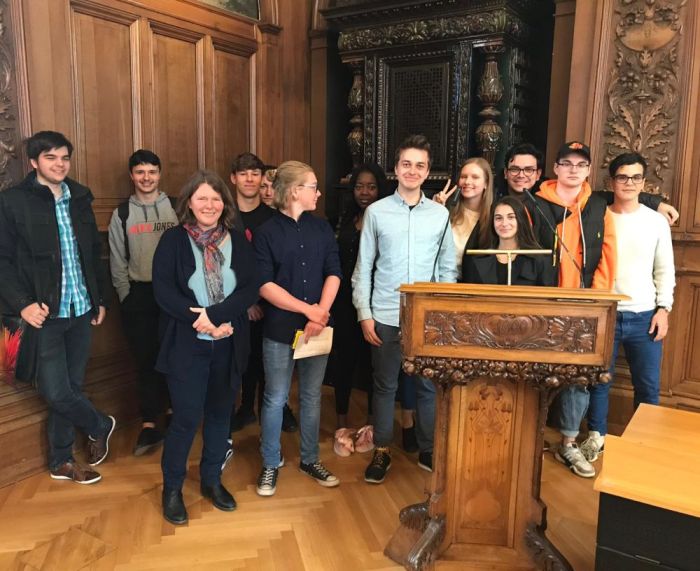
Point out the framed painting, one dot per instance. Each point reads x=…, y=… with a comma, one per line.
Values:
x=250, y=8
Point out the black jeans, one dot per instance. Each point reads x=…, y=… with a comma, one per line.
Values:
x=63, y=352
x=140, y=315
x=350, y=354
x=254, y=378
x=203, y=391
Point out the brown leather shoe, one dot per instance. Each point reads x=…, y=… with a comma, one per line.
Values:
x=71, y=470
x=98, y=448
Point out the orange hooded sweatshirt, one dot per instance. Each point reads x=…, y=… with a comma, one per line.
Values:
x=569, y=229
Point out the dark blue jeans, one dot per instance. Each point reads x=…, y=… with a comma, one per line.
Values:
x=407, y=391
x=644, y=358
x=63, y=352
x=386, y=364
x=203, y=391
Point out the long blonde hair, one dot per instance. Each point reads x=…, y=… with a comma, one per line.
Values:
x=457, y=210
x=288, y=175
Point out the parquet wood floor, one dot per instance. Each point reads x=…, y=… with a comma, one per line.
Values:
x=117, y=523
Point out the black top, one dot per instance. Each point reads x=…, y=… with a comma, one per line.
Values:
x=526, y=270
x=348, y=247
x=255, y=218
x=298, y=256
x=173, y=265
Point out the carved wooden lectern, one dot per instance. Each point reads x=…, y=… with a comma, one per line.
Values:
x=498, y=355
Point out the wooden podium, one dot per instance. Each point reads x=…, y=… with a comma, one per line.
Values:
x=498, y=355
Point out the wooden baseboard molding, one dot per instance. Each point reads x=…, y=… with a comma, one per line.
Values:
x=110, y=385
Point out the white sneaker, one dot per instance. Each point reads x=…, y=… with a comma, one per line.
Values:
x=570, y=455
x=593, y=446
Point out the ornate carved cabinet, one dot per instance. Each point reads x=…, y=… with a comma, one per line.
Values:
x=498, y=355
x=471, y=75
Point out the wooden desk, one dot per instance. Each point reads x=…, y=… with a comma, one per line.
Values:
x=649, y=513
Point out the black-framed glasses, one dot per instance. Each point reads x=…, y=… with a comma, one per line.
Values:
x=624, y=179
x=572, y=166
x=528, y=171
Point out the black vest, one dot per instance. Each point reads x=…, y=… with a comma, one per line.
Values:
x=593, y=221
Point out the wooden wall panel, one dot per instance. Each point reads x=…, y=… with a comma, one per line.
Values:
x=664, y=125
x=268, y=96
x=232, y=114
x=294, y=77
x=47, y=49
x=104, y=78
x=177, y=134
x=176, y=76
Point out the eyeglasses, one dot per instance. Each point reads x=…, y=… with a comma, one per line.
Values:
x=624, y=179
x=369, y=186
x=528, y=171
x=572, y=166
x=313, y=186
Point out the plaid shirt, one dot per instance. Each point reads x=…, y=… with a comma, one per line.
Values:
x=73, y=289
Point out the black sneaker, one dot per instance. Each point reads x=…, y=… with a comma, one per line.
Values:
x=410, y=444
x=319, y=473
x=289, y=422
x=425, y=461
x=241, y=419
x=149, y=439
x=229, y=453
x=267, y=482
x=379, y=466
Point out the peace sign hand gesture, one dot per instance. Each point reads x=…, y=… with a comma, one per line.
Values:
x=444, y=195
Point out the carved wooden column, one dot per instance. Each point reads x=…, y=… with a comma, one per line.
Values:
x=489, y=133
x=356, y=103
x=644, y=90
x=11, y=170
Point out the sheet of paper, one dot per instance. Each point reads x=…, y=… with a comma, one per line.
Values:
x=319, y=345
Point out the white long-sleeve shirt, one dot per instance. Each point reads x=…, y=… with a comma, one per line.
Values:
x=645, y=270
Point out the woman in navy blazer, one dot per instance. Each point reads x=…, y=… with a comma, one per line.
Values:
x=204, y=281
x=510, y=230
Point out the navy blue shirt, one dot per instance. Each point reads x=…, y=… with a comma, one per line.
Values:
x=298, y=256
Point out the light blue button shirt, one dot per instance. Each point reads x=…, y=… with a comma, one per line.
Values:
x=197, y=283
x=399, y=245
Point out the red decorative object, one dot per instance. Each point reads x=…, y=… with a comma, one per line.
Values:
x=9, y=348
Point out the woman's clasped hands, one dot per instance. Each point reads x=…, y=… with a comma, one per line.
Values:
x=204, y=325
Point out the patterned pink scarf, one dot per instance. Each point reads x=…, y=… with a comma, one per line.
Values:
x=208, y=242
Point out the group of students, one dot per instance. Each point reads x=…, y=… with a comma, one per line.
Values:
x=215, y=286
x=234, y=280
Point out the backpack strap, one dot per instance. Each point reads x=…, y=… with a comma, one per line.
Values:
x=123, y=213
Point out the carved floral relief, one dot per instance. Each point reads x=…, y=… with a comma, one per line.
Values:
x=644, y=87
x=503, y=331
x=492, y=22
x=10, y=169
